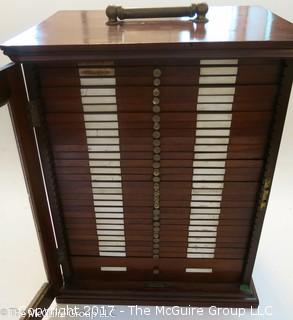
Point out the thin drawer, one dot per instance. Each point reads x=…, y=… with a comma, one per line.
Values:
x=143, y=75
x=228, y=269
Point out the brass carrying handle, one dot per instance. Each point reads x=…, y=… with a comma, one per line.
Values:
x=116, y=14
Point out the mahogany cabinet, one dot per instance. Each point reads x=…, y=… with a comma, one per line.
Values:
x=154, y=143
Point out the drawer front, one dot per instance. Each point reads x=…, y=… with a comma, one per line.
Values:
x=159, y=165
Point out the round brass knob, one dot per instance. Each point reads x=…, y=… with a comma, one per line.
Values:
x=157, y=72
x=156, y=195
x=156, y=118
x=156, y=157
x=156, y=205
x=156, y=92
x=156, y=187
x=156, y=212
x=156, y=143
x=156, y=165
x=157, y=149
x=156, y=179
x=156, y=100
x=156, y=134
x=156, y=126
x=156, y=172
x=156, y=82
x=156, y=108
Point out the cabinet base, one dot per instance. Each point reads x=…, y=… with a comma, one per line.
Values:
x=243, y=298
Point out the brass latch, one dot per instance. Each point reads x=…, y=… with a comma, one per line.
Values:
x=265, y=193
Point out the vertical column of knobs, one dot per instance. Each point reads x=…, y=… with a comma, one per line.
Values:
x=156, y=164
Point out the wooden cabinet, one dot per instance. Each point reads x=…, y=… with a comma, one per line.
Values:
x=158, y=142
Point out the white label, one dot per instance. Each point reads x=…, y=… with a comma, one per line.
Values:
x=203, y=222
x=110, y=238
x=106, y=155
x=110, y=221
x=218, y=71
x=98, y=81
x=102, y=133
x=107, y=190
x=98, y=141
x=110, y=227
x=104, y=148
x=211, y=141
x=213, y=124
x=200, y=255
x=100, y=108
x=98, y=92
x=110, y=215
x=112, y=254
x=100, y=117
x=211, y=132
x=101, y=125
x=106, y=170
x=213, y=99
x=201, y=250
x=199, y=270
x=107, y=209
x=113, y=203
x=205, y=210
x=208, y=177
x=202, y=245
x=107, y=196
x=112, y=243
x=214, y=116
x=206, y=198
x=214, y=107
x=209, y=164
x=114, y=269
x=218, y=61
x=104, y=163
x=205, y=156
x=110, y=232
x=106, y=184
x=217, y=80
x=98, y=100
x=111, y=249
x=216, y=91
x=198, y=239
x=204, y=216
x=203, y=204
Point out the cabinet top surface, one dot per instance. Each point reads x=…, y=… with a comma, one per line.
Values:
x=241, y=26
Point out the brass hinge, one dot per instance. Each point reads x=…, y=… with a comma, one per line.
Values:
x=34, y=112
x=265, y=193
